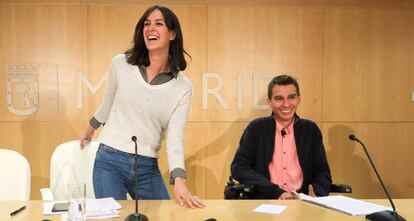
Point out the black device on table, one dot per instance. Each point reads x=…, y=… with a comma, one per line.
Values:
x=60, y=207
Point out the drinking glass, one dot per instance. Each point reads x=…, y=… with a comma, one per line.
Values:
x=76, y=197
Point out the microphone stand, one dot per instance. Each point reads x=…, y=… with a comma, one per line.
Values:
x=385, y=215
x=136, y=216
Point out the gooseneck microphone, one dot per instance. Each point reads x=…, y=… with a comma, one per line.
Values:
x=136, y=216
x=382, y=215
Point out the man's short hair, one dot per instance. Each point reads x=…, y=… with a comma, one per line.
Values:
x=282, y=80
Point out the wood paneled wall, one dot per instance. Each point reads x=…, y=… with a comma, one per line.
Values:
x=354, y=63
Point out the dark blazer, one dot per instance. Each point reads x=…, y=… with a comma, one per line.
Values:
x=251, y=162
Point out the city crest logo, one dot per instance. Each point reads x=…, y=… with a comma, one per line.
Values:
x=22, y=88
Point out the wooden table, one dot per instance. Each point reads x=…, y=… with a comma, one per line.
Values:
x=222, y=210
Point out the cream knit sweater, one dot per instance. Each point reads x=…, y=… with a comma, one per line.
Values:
x=132, y=107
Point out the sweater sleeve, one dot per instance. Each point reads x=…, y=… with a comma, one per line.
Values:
x=321, y=175
x=245, y=159
x=104, y=109
x=176, y=127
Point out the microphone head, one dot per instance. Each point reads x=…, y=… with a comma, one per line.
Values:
x=352, y=137
x=134, y=138
x=283, y=132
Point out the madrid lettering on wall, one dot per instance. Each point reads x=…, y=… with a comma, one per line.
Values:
x=23, y=89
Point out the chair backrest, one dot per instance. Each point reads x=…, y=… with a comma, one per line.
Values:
x=15, y=176
x=71, y=164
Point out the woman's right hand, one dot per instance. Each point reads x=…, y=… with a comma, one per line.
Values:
x=86, y=136
x=183, y=195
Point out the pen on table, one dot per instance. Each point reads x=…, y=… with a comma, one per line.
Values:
x=17, y=211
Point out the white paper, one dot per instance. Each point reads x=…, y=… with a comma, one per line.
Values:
x=268, y=208
x=95, y=208
x=345, y=204
x=102, y=204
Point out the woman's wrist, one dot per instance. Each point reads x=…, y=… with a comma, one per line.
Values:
x=177, y=173
x=94, y=123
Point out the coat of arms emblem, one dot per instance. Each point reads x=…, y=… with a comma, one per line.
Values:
x=22, y=88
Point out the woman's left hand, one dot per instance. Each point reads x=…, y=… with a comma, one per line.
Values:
x=183, y=195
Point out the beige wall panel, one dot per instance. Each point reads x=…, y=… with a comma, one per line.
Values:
x=340, y=3
x=194, y=27
x=110, y=32
x=49, y=36
x=195, y=160
x=255, y=41
x=209, y=150
x=37, y=141
x=353, y=65
x=326, y=3
x=391, y=148
x=221, y=145
x=10, y=136
x=368, y=65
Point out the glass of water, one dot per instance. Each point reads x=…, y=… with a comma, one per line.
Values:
x=76, y=197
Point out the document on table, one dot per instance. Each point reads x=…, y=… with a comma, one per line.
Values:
x=95, y=208
x=344, y=204
x=269, y=208
x=102, y=204
x=95, y=215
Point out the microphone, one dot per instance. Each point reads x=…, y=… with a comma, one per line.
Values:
x=385, y=215
x=136, y=216
x=283, y=132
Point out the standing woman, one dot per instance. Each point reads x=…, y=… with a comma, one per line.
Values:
x=146, y=93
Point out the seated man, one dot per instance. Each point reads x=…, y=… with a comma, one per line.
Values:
x=282, y=153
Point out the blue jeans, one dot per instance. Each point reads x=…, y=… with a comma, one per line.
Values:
x=113, y=175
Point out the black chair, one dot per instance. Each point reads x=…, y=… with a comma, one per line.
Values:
x=235, y=190
x=340, y=188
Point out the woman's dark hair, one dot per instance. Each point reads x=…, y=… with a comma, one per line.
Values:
x=138, y=54
x=282, y=80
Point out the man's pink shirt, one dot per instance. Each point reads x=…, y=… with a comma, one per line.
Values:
x=285, y=170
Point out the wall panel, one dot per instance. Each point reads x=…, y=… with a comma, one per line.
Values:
x=222, y=142
x=353, y=60
x=390, y=149
x=50, y=38
x=263, y=41
x=110, y=32
x=368, y=68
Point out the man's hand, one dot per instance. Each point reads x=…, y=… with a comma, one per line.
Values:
x=311, y=191
x=287, y=196
x=184, y=197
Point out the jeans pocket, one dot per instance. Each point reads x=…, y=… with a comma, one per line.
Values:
x=104, y=152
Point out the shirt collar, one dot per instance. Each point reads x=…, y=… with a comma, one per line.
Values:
x=167, y=71
x=288, y=129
